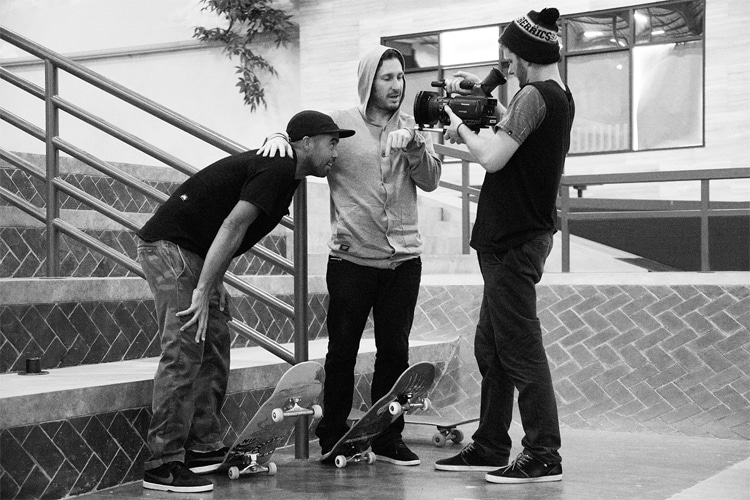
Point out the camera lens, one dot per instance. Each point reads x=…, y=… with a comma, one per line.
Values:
x=427, y=108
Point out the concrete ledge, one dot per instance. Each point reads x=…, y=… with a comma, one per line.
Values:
x=603, y=278
x=50, y=290
x=71, y=392
x=70, y=165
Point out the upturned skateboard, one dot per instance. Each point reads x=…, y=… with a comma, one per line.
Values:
x=446, y=429
x=296, y=394
x=407, y=393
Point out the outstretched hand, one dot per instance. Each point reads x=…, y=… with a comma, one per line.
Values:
x=275, y=144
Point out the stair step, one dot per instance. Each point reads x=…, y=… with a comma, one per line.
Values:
x=66, y=393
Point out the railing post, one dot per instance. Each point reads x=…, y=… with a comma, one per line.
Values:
x=52, y=164
x=465, y=208
x=301, y=351
x=564, y=227
x=705, y=194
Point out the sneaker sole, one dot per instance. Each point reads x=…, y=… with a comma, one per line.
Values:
x=521, y=480
x=382, y=458
x=204, y=469
x=177, y=489
x=467, y=468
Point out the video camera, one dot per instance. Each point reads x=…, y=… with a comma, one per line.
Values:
x=476, y=110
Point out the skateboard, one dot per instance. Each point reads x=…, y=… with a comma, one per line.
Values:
x=295, y=395
x=447, y=430
x=407, y=393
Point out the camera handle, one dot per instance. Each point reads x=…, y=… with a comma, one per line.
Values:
x=484, y=88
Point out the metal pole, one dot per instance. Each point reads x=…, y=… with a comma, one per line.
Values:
x=301, y=348
x=705, y=193
x=564, y=227
x=52, y=164
x=465, y=208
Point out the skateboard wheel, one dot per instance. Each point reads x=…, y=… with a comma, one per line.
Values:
x=271, y=468
x=426, y=404
x=317, y=411
x=458, y=436
x=234, y=473
x=277, y=415
x=395, y=408
x=340, y=461
x=438, y=440
x=370, y=458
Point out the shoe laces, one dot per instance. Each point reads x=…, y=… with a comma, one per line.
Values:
x=521, y=460
x=469, y=448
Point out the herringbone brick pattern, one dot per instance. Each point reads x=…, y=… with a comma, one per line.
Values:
x=23, y=249
x=71, y=334
x=666, y=359
x=23, y=254
x=72, y=457
x=106, y=189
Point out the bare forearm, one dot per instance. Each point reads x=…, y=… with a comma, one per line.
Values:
x=219, y=255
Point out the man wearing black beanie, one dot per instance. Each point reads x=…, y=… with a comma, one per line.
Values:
x=516, y=218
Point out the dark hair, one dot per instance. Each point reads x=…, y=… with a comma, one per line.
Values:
x=390, y=54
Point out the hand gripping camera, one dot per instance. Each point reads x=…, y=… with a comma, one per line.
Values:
x=476, y=110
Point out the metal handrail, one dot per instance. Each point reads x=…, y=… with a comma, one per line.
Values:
x=703, y=176
x=54, y=103
x=53, y=62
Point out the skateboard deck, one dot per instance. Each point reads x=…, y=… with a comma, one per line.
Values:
x=296, y=394
x=407, y=393
x=446, y=429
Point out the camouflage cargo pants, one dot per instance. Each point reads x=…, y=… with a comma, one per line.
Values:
x=191, y=381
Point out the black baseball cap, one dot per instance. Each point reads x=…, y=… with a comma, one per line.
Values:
x=310, y=123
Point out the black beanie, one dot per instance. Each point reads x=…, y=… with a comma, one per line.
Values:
x=533, y=37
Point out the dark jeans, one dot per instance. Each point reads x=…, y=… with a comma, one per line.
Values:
x=354, y=291
x=191, y=381
x=510, y=354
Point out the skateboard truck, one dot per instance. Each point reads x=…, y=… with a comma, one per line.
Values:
x=405, y=404
x=445, y=433
x=342, y=461
x=293, y=409
x=253, y=467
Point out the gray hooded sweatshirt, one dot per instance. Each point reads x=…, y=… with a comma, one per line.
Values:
x=374, y=197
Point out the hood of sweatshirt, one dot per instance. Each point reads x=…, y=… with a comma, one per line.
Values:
x=368, y=66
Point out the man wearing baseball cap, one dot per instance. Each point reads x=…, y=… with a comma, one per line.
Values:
x=516, y=218
x=184, y=249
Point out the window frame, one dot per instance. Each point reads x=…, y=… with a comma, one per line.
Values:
x=632, y=43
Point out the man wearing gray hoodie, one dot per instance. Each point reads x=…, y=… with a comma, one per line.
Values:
x=374, y=262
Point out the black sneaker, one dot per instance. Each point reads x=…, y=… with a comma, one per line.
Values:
x=175, y=476
x=202, y=462
x=467, y=460
x=526, y=469
x=398, y=454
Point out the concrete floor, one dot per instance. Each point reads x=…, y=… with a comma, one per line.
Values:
x=596, y=465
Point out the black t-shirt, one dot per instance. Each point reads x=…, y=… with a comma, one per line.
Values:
x=517, y=203
x=193, y=214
